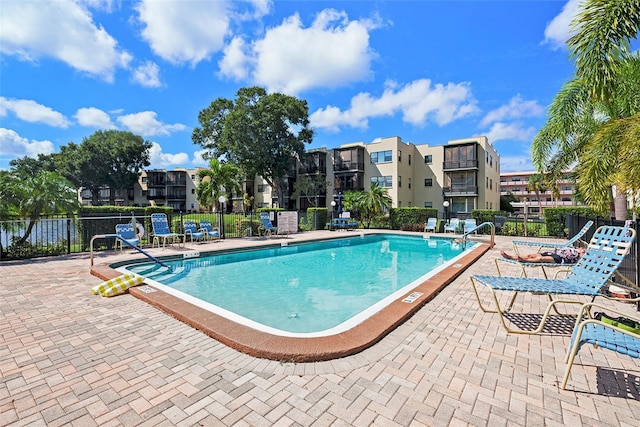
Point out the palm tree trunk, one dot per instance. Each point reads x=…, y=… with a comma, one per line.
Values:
x=620, y=206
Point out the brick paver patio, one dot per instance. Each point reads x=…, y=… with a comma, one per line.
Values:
x=68, y=357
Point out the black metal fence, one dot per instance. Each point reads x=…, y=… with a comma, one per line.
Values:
x=627, y=273
x=69, y=234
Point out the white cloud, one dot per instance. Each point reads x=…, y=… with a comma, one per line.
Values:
x=62, y=30
x=94, y=118
x=16, y=146
x=516, y=163
x=419, y=102
x=198, y=159
x=558, y=30
x=147, y=75
x=511, y=131
x=158, y=159
x=184, y=31
x=291, y=58
x=146, y=124
x=517, y=108
x=235, y=63
x=32, y=112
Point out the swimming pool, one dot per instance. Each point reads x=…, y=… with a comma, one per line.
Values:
x=308, y=289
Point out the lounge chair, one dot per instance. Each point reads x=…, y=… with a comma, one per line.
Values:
x=542, y=245
x=161, y=230
x=588, y=330
x=469, y=226
x=191, y=229
x=589, y=276
x=127, y=235
x=209, y=231
x=452, y=226
x=268, y=227
x=430, y=225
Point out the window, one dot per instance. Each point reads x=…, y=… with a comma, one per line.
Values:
x=565, y=188
x=490, y=160
x=515, y=178
x=409, y=182
x=487, y=182
x=261, y=188
x=428, y=158
x=428, y=182
x=381, y=156
x=382, y=181
x=515, y=189
x=428, y=204
x=399, y=181
x=409, y=159
x=491, y=184
x=399, y=156
x=193, y=191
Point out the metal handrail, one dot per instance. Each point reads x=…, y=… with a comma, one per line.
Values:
x=117, y=237
x=493, y=234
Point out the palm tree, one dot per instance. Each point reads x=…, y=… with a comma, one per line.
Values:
x=372, y=203
x=220, y=179
x=33, y=196
x=603, y=30
x=537, y=184
x=593, y=120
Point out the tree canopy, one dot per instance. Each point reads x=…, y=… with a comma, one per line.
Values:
x=594, y=120
x=107, y=158
x=259, y=132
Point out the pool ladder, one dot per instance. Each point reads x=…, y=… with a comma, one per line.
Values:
x=484, y=224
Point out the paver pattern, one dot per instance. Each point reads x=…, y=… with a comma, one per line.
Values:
x=68, y=357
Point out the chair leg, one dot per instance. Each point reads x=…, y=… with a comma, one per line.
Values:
x=571, y=354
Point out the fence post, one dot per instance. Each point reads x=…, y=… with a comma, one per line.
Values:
x=68, y=234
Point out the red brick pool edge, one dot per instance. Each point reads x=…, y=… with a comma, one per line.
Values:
x=292, y=349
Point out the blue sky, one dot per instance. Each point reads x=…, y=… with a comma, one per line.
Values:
x=427, y=71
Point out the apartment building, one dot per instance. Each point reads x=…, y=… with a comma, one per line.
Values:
x=463, y=172
x=517, y=184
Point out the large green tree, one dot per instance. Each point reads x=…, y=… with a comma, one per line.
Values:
x=593, y=120
x=260, y=132
x=222, y=178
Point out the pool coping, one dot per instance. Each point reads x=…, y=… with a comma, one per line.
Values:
x=295, y=349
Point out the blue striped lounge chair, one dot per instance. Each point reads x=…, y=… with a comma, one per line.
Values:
x=127, y=235
x=589, y=276
x=268, y=227
x=191, y=230
x=161, y=231
x=430, y=225
x=542, y=245
x=589, y=330
x=452, y=226
x=209, y=231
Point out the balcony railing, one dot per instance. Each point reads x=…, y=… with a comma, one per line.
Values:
x=460, y=190
x=349, y=166
x=460, y=164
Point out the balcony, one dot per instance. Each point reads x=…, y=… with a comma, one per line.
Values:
x=460, y=164
x=460, y=190
x=348, y=166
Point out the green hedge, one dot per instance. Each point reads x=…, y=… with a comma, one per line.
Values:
x=317, y=219
x=555, y=218
x=410, y=217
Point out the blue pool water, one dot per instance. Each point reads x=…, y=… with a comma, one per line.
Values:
x=316, y=288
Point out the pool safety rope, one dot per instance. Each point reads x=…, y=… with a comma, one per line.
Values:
x=118, y=285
